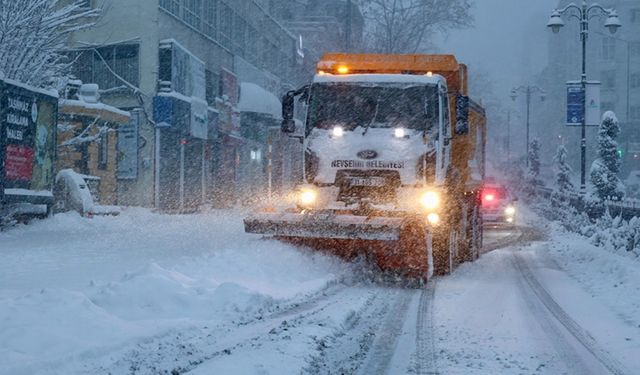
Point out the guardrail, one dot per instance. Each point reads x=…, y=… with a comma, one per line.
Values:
x=627, y=208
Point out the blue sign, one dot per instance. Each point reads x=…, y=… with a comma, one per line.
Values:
x=575, y=104
x=171, y=112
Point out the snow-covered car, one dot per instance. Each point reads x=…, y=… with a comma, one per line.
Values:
x=73, y=192
x=498, y=206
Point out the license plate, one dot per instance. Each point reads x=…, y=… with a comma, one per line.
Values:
x=367, y=181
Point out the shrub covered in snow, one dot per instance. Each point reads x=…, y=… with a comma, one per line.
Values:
x=605, y=169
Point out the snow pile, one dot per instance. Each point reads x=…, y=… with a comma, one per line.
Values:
x=73, y=290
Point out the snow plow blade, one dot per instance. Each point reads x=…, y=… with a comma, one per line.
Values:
x=329, y=226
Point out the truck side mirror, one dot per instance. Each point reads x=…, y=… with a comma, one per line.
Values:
x=288, y=125
x=462, y=114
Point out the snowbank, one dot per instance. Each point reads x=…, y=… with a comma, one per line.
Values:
x=73, y=290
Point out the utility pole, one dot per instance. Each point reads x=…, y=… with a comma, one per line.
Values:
x=528, y=90
x=347, y=31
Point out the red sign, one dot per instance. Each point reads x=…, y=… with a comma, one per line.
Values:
x=19, y=162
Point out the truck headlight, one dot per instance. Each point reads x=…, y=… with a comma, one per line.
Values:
x=399, y=133
x=433, y=218
x=430, y=200
x=510, y=210
x=307, y=197
x=338, y=131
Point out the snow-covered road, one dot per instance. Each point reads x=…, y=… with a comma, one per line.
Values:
x=146, y=293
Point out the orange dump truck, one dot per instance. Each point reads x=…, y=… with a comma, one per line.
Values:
x=393, y=152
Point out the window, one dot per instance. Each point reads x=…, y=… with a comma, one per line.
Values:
x=634, y=48
x=103, y=154
x=635, y=80
x=608, y=48
x=239, y=36
x=634, y=112
x=171, y=6
x=101, y=65
x=635, y=15
x=212, y=82
x=191, y=12
x=226, y=24
x=608, y=79
x=210, y=18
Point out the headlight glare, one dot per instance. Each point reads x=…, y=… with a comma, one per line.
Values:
x=430, y=200
x=338, y=131
x=307, y=197
x=433, y=219
x=510, y=210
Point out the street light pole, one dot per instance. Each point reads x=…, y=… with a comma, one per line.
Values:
x=583, y=13
x=528, y=91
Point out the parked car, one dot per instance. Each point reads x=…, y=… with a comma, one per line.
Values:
x=73, y=192
x=498, y=206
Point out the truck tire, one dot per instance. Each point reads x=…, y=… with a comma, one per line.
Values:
x=442, y=252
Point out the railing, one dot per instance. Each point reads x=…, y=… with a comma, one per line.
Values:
x=627, y=208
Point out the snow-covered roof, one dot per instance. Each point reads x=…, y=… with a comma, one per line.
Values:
x=51, y=92
x=107, y=112
x=380, y=78
x=254, y=98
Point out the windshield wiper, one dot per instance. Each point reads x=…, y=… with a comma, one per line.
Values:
x=375, y=115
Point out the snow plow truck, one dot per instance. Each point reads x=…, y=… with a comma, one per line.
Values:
x=393, y=159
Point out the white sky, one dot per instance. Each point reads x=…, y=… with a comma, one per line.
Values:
x=508, y=40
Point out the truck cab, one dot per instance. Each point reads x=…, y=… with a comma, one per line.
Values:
x=380, y=168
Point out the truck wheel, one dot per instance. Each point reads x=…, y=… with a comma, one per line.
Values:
x=442, y=252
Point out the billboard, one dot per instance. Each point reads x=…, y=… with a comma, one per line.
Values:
x=576, y=103
x=28, y=118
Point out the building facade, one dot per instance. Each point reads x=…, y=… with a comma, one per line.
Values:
x=612, y=59
x=181, y=64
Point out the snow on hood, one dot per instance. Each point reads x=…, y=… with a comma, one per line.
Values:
x=254, y=98
x=336, y=153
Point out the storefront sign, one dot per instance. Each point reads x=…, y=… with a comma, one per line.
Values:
x=199, y=123
x=128, y=147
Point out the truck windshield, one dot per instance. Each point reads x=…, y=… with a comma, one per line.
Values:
x=351, y=105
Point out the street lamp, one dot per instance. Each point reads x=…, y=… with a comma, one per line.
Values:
x=584, y=13
x=528, y=91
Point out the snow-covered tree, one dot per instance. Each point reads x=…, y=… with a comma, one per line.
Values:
x=403, y=26
x=605, y=169
x=32, y=34
x=563, y=172
x=533, y=173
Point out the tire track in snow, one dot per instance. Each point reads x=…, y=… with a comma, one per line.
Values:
x=384, y=345
x=426, y=363
x=577, y=331
x=180, y=351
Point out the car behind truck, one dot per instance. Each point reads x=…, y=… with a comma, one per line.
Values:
x=393, y=156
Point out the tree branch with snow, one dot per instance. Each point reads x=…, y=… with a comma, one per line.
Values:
x=32, y=35
x=405, y=26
